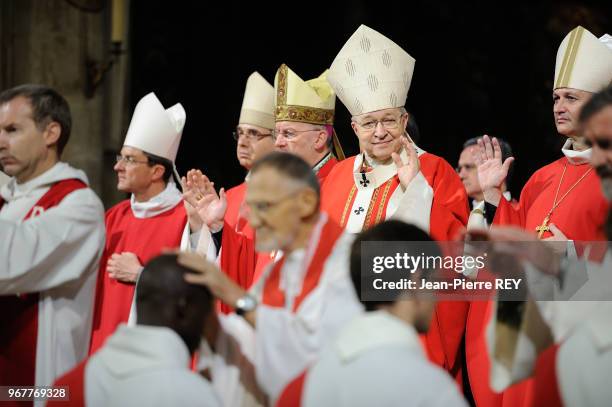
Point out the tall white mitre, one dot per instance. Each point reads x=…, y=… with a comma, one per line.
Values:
x=371, y=72
x=258, y=103
x=155, y=129
x=584, y=62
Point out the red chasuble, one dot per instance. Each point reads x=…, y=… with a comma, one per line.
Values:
x=449, y=214
x=19, y=322
x=580, y=216
x=75, y=380
x=239, y=260
x=145, y=237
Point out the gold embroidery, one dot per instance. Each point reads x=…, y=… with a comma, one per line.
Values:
x=303, y=114
x=569, y=58
x=382, y=202
x=370, y=208
x=281, y=93
x=347, y=205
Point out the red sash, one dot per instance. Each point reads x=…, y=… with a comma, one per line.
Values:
x=75, y=380
x=292, y=395
x=19, y=322
x=274, y=296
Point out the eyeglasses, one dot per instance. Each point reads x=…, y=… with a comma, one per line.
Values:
x=263, y=207
x=128, y=159
x=387, y=123
x=289, y=134
x=250, y=134
x=467, y=167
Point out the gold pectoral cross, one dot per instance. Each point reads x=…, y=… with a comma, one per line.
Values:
x=543, y=227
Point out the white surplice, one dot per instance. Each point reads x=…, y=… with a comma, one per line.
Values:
x=55, y=254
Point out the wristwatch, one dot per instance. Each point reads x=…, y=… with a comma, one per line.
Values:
x=245, y=304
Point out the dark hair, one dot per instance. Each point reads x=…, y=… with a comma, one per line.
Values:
x=388, y=231
x=47, y=106
x=291, y=166
x=506, y=151
x=164, y=298
x=598, y=102
x=157, y=160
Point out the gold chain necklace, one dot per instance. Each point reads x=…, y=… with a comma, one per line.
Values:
x=544, y=227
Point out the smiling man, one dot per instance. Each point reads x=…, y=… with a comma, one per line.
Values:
x=392, y=177
x=153, y=218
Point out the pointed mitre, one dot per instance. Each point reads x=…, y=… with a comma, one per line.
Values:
x=258, y=103
x=371, y=72
x=584, y=62
x=156, y=130
x=296, y=100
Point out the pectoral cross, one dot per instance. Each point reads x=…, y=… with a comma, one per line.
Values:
x=543, y=227
x=359, y=210
x=364, y=181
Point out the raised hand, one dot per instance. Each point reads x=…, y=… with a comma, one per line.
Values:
x=492, y=172
x=406, y=171
x=200, y=194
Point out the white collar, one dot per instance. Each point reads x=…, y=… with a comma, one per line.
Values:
x=160, y=203
x=60, y=171
x=321, y=163
x=576, y=157
x=375, y=330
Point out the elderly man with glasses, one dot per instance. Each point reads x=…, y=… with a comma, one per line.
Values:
x=304, y=115
x=392, y=177
x=152, y=219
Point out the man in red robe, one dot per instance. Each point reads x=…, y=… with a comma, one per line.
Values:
x=51, y=238
x=561, y=201
x=153, y=218
x=304, y=117
x=392, y=177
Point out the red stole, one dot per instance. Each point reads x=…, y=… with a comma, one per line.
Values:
x=292, y=394
x=273, y=294
x=239, y=260
x=145, y=237
x=75, y=380
x=19, y=323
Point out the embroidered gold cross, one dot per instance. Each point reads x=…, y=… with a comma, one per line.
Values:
x=543, y=227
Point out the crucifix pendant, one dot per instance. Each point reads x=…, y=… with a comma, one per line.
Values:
x=543, y=227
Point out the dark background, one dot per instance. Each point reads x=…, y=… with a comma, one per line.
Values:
x=481, y=67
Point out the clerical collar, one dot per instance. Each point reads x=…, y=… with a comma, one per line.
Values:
x=576, y=157
x=321, y=163
x=160, y=203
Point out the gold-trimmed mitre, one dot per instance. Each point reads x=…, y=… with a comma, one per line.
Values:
x=296, y=100
x=583, y=62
